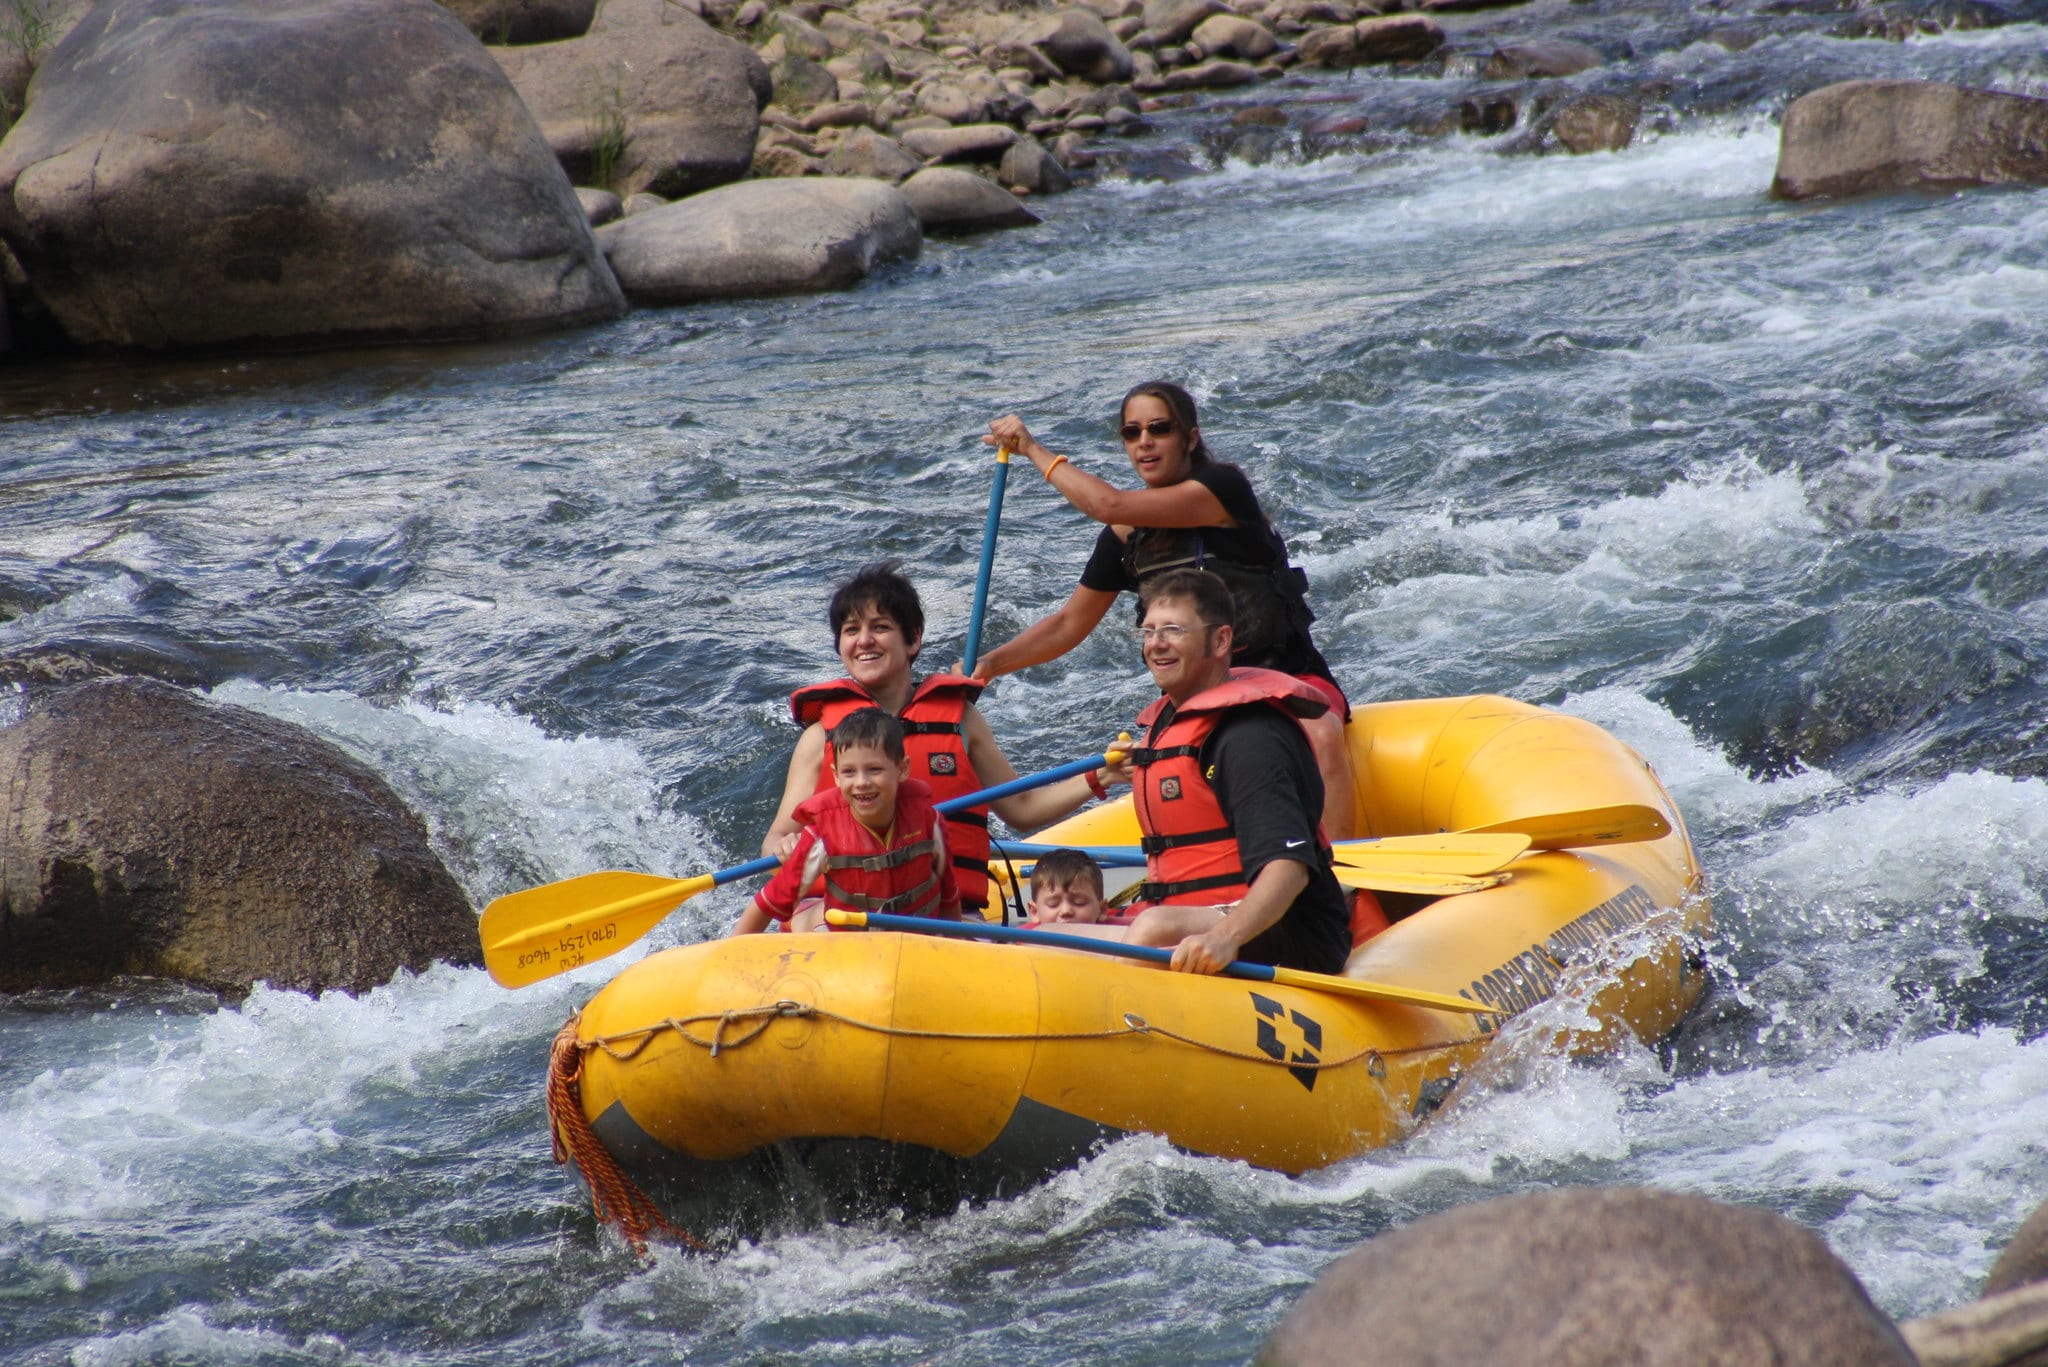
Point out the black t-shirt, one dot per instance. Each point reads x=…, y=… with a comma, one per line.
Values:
x=1266, y=780
x=1252, y=543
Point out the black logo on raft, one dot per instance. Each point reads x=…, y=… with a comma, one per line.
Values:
x=1272, y=1017
x=944, y=764
x=1169, y=789
x=1531, y=976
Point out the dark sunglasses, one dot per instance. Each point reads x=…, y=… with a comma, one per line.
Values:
x=1158, y=427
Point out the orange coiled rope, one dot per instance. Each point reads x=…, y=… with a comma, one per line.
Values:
x=612, y=1194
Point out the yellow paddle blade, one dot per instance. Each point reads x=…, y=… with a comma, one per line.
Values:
x=1382, y=992
x=548, y=930
x=1622, y=824
x=1462, y=854
x=1421, y=884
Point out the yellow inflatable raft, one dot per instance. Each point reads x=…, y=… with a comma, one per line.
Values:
x=844, y=1071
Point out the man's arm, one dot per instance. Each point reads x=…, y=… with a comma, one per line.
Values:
x=1267, y=900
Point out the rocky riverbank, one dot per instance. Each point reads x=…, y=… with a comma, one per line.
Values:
x=421, y=172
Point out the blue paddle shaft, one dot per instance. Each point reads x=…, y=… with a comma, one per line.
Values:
x=1108, y=856
x=988, y=561
x=1001, y=790
x=988, y=930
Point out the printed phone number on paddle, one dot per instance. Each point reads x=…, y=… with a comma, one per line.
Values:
x=573, y=949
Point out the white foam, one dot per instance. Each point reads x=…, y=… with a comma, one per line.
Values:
x=111, y=596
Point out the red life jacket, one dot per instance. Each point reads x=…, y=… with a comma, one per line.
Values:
x=902, y=880
x=1191, y=856
x=935, y=742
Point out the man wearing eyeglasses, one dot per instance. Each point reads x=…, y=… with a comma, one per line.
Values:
x=1228, y=797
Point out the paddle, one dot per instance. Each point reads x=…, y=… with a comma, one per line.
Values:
x=1622, y=824
x=545, y=931
x=988, y=560
x=1286, y=977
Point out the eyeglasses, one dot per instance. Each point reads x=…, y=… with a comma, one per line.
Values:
x=1158, y=427
x=1173, y=633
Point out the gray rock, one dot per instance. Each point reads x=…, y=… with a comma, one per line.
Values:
x=1595, y=123
x=524, y=21
x=673, y=106
x=1307, y=12
x=2025, y=1259
x=206, y=171
x=1075, y=42
x=1397, y=38
x=762, y=237
x=1863, y=137
x=1461, y=6
x=599, y=206
x=974, y=142
x=801, y=83
x=950, y=201
x=619, y=16
x=1171, y=21
x=864, y=152
x=1228, y=35
x=1540, y=58
x=1029, y=167
x=1581, y=1277
x=641, y=203
x=144, y=830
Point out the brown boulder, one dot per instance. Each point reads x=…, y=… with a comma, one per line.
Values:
x=1397, y=38
x=952, y=201
x=1540, y=58
x=864, y=152
x=1336, y=47
x=1595, y=123
x=1865, y=137
x=1581, y=1277
x=1029, y=167
x=762, y=237
x=1229, y=35
x=205, y=171
x=1075, y=42
x=1171, y=21
x=973, y=142
x=145, y=830
x=671, y=107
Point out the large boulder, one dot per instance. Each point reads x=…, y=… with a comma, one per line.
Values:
x=524, y=21
x=144, y=830
x=864, y=152
x=206, y=171
x=1029, y=167
x=1230, y=35
x=666, y=104
x=1590, y=1276
x=1863, y=137
x=952, y=201
x=762, y=237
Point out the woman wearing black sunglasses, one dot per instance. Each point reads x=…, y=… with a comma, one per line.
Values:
x=1192, y=511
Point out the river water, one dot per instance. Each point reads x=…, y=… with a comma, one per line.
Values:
x=1760, y=487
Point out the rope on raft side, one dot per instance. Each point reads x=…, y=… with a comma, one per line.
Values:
x=617, y=1201
x=613, y=1196
x=761, y=1017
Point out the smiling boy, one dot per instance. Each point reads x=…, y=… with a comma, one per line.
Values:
x=872, y=842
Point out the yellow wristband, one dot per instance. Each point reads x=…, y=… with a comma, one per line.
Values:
x=1057, y=462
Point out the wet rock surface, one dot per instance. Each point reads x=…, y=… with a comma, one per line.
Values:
x=1865, y=137
x=201, y=172
x=146, y=830
x=1590, y=1276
